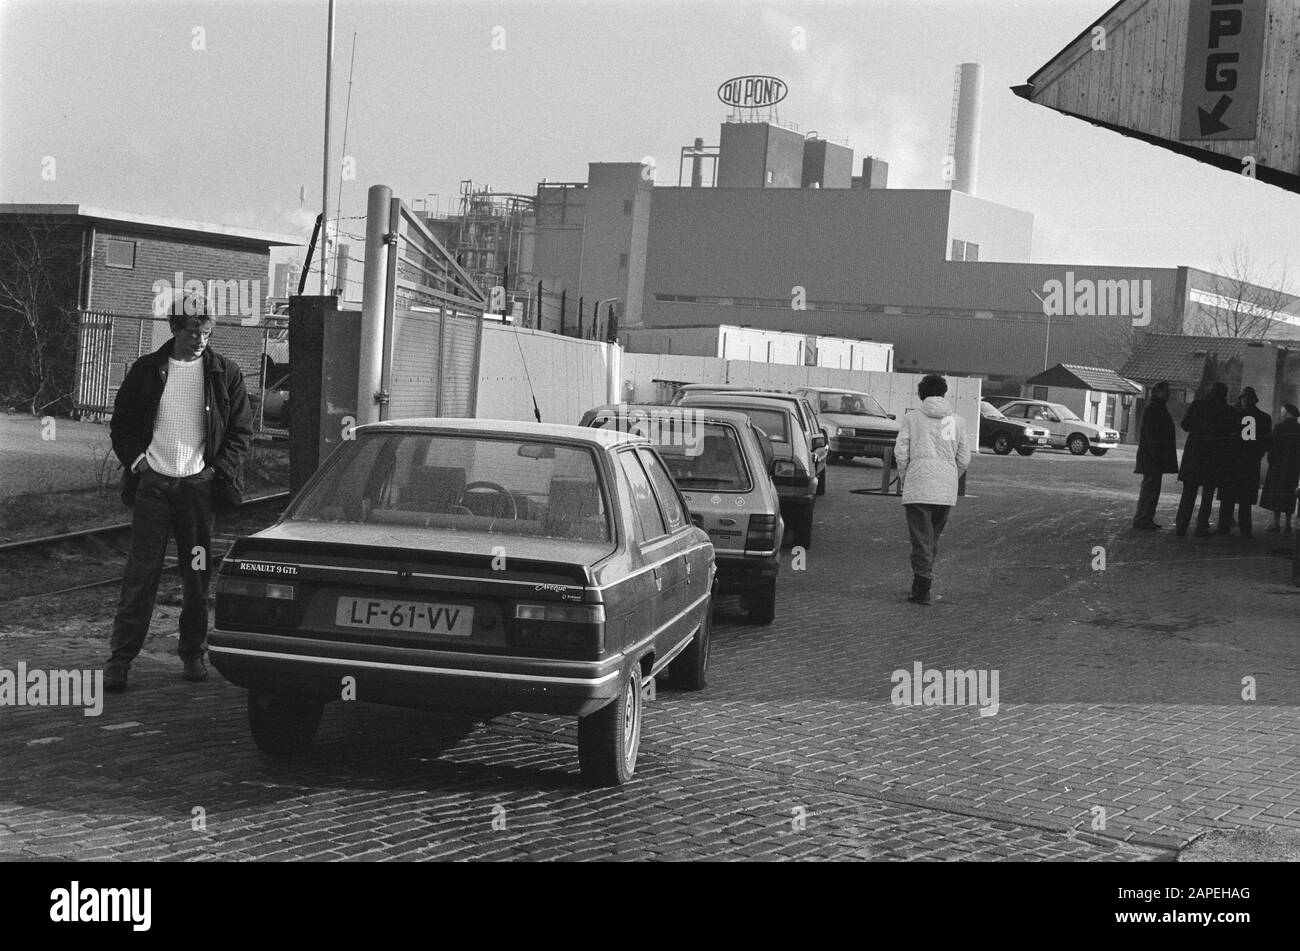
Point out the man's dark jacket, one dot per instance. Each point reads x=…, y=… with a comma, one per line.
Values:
x=1211, y=426
x=1240, y=481
x=1157, y=448
x=229, y=429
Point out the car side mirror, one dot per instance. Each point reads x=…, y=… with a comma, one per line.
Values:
x=818, y=442
x=892, y=416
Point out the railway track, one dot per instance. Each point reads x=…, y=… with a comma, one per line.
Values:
x=105, y=535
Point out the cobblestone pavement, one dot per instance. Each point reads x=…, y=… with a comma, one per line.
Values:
x=1120, y=699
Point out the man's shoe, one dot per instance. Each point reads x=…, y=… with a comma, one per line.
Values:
x=920, y=590
x=115, y=677
x=195, y=669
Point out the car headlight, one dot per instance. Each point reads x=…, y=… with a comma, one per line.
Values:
x=842, y=431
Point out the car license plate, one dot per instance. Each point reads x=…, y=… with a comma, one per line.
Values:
x=1041, y=440
x=455, y=619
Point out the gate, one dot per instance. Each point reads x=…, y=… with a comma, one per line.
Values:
x=92, y=393
x=431, y=311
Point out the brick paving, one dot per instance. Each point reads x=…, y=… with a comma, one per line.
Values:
x=1119, y=689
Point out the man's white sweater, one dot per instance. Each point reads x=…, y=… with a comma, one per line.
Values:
x=179, y=428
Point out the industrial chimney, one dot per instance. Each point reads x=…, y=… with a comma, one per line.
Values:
x=964, y=131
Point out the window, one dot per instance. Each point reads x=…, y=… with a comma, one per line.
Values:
x=622, y=262
x=958, y=250
x=673, y=511
x=1040, y=392
x=119, y=253
x=1016, y=410
x=649, y=518
x=972, y=251
x=771, y=177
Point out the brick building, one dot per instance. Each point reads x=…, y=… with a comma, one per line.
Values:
x=113, y=267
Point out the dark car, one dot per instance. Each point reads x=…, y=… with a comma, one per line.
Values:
x=1002, y=434
x=476, y=566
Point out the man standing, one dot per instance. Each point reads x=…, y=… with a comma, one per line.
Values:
x=181, y=428
x=1210, y=424
x=1240, y=486
x=932, y=453
x=1157, y=454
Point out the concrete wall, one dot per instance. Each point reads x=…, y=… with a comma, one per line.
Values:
x=1002, y=233
x=566, y=376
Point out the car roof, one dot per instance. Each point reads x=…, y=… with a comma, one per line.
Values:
x=660, y=409
x=728, y=399
x=715, y=386
x=838, y=390
x=605, y=438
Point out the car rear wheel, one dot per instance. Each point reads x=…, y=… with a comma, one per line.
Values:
x=690, y=671
x=609, y=739
x=802, y=522
x=1026, y=450
x=1077, y=444
x=762, y=606
x=1098, y=452
x=1002, y=444
x=282, y=724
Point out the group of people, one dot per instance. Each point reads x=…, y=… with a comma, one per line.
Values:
x=1226, y=444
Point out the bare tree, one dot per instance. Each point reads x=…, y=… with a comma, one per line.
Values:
x=1243, y=299
x=40, y=268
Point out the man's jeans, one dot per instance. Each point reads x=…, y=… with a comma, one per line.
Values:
x=925, y=524
x=1188, y=502
x=1148, y=499
x=164, y=505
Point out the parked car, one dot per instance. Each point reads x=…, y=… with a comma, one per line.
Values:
x=477, y=566
x=718, y=460
x=1002, y=434
x=701, y=389
x=808, y=420
x=793, y=469
x=1067, y=430
x=856, y=423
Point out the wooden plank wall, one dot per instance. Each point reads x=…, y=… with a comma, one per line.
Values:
x=1137, y=81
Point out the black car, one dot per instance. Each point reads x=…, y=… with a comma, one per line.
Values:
x=1002, y=434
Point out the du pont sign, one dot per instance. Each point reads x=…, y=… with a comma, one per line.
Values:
x=752, y=92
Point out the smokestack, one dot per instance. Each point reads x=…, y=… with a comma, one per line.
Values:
x=697, y=165
x=964, y=135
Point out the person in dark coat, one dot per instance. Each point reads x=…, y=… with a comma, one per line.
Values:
x=1157, y=454
x=1211, y=424
x=1239, y=487
x=1279, y=495
x=182, y=429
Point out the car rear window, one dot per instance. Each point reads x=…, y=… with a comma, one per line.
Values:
x=462, y=482
x=771, y=421
x=716, y=462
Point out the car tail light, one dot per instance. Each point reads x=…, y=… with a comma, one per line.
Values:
x=784, y=468
x=240, y=600
x=577, y=627
x=762, y=533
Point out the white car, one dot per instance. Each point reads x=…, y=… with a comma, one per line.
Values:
x=1067, y=430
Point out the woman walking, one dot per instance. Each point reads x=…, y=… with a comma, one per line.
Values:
x=932, y=454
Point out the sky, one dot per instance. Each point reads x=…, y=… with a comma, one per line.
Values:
x=214, y=111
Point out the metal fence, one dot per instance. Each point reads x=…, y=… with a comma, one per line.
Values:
x=108, y=343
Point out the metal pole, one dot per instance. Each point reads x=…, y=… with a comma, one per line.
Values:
x=325, y=169
x=370, y=364
x=563, y=301
x=579, y=318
